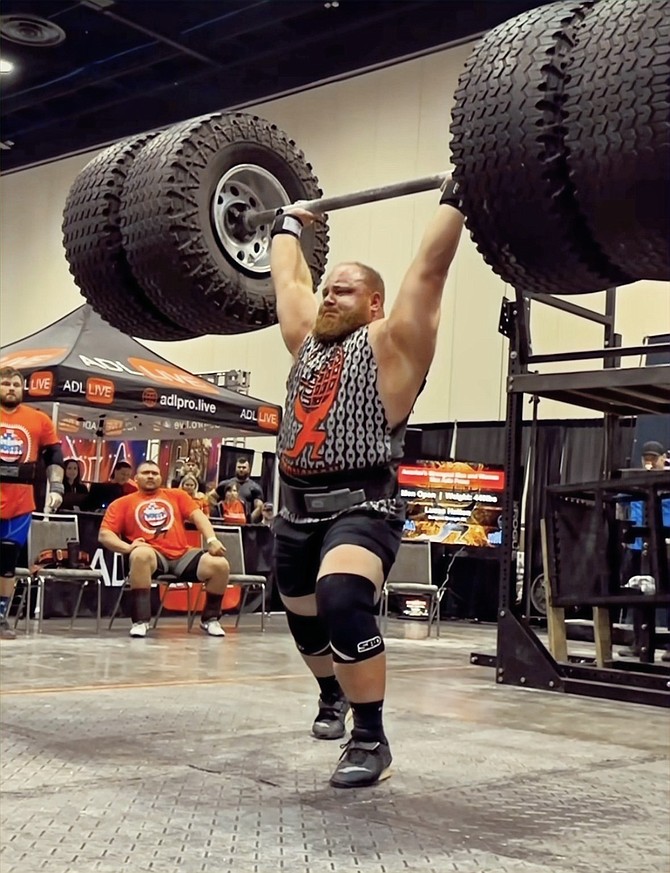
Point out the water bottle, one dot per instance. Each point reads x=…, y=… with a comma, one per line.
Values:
x=73, y=554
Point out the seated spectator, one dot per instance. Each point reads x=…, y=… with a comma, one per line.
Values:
x=148, y=527
x=122, y=475
x=74, y=490
x=189, y=484
x=233, y=510
x=102, y=494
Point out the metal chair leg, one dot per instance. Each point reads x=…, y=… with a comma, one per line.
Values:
x=166, y=588
x=385, y=611
x=40, y=601
x=29, y=594
x=245, y=592
x=77, y=605
x=17, y=616
x=262, y=608
x=192, y=604
x=117, y=605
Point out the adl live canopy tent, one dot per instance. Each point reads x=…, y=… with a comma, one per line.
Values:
x=95, y=380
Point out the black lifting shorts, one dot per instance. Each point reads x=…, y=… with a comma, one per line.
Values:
x=299, y=549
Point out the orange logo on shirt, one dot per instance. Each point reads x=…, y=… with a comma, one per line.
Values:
x=99, y=391
x=312, y=405
x=154, y=517
x=14, y=443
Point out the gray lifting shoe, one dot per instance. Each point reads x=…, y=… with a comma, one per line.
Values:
x=330, y=722
x=362, y=763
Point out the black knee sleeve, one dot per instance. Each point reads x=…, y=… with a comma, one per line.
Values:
x=309, y=633
x=9, y=555
x=346, y=602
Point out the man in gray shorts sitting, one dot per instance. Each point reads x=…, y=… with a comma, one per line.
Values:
x=148, y=527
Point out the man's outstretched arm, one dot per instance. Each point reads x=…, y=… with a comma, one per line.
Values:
x=415, y=316
x=296, y=303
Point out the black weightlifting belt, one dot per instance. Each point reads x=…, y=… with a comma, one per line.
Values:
x=19, y=474
x=336, y=492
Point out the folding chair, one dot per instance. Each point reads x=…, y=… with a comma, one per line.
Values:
x=166, y=579
x=412, y=574
x=25, y=576
x=231, y=537
x=54, y=532
x=170, y=581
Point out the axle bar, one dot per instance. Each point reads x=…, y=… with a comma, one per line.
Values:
x=251, y=220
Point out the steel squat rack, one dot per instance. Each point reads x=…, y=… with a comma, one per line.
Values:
x=521, y=658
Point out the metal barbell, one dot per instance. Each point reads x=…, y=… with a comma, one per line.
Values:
x=252, y=219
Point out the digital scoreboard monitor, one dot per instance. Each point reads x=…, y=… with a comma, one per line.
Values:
x=453, y=502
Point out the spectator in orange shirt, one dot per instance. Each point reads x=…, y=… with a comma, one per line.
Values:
x=190, y=484
x=148, y=527
x=25, y=435
x=233, y=510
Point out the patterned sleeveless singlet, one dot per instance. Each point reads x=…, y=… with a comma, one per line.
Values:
x=334, y=420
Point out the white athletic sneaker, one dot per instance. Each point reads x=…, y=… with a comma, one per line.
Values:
x=212, y=627
x=139, y=629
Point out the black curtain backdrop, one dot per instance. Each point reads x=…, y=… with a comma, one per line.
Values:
x=546, y=471
x=484, y=442
x=268, y=475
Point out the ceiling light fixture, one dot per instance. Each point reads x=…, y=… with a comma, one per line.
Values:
x=30, y=30
x=5, y=66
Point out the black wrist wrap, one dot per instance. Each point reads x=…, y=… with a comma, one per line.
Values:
x=289, y=224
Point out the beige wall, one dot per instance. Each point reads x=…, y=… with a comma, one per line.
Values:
x=377, y=128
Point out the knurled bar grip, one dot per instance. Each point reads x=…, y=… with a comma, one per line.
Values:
x=252, y=220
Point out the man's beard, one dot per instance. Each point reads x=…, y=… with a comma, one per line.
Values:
x=330, y=326
x=10, y=402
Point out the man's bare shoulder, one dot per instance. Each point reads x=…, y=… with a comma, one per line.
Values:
x=381, y=340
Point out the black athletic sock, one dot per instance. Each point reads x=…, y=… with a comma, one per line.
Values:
x=212, y=607
x=140, y=605
x=330, y=689
x=368, y=722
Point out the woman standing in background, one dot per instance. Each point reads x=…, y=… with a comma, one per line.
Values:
x=233, y=510
x=190, y=484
